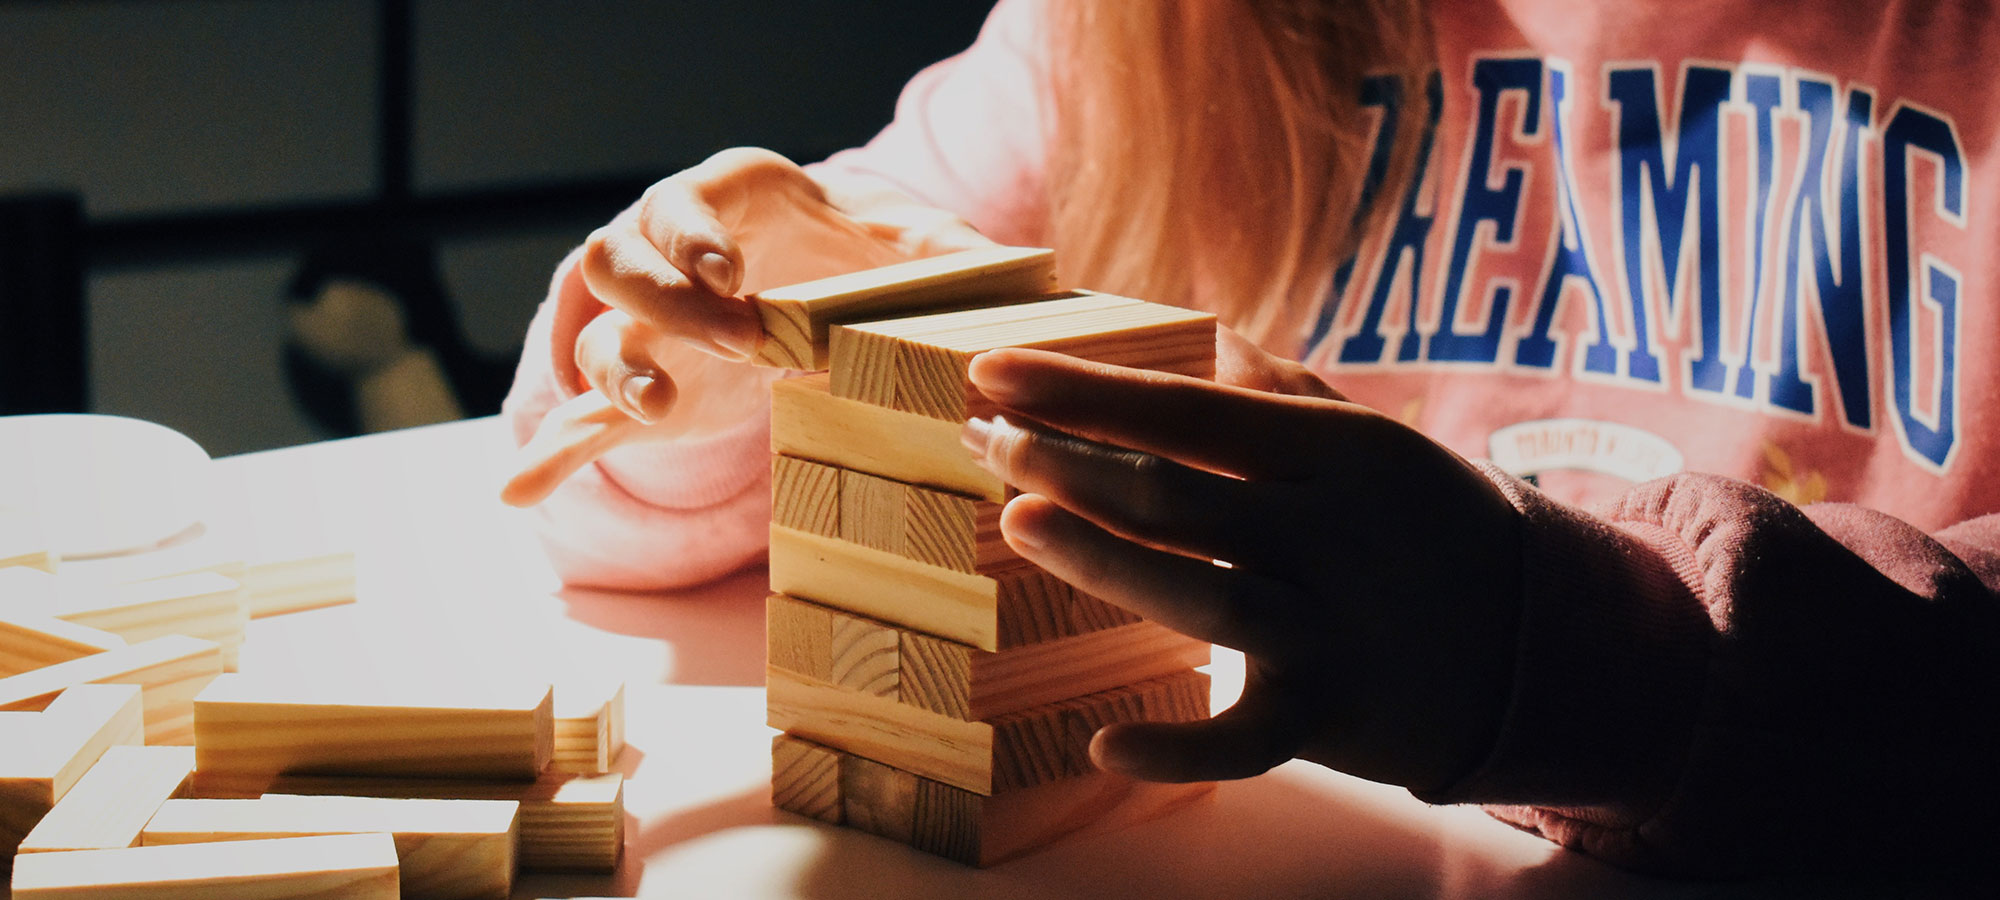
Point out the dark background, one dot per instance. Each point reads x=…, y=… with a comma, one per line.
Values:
x=207, y=143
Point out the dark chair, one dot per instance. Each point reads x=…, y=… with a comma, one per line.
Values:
x=43, y=366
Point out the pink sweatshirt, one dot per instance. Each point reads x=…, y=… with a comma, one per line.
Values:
x=1652, y=239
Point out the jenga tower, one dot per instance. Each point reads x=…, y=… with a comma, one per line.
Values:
x=934, y=688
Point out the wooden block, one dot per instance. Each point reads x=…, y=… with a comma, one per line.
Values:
x=22, y=543
x=918, y=364
x=415, y=730
x=350, y=866
x=965, y=682
x=445, y=849
x=30, y=641
x=808, y=422
x=796, y=317
x=109, y=806
x=1016, y=750
x=589, y=727
x=171, y=670
x=976, y=829
x=992, y=611
x=805, y=779
x=568, y=822
x=42, y=755
x=941, y=528
x=283, y=586
x=200, y=604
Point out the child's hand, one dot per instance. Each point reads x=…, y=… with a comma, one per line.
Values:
x=669, y=352
x=1372, y=577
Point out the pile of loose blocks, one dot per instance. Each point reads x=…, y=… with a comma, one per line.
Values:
x=135, y=761
x=933, y=687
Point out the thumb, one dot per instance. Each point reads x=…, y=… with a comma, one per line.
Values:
x=1244, y=740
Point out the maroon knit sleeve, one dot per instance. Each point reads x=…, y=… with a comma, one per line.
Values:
x=1713, y=681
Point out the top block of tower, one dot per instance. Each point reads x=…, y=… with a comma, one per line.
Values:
x=797, y=317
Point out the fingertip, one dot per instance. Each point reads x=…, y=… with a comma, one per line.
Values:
x=718, y=273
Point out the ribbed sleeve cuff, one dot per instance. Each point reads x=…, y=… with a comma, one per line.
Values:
x=1610, y=669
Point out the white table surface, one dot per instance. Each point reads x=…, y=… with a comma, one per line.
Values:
x=453, y=584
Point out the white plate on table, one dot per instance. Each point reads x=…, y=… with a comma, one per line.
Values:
x=96, y=486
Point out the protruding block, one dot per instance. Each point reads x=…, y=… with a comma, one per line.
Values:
x=991, y=611
x=200, y=604
x=808, y=422
x=796, y=317
x=111, y=803
x=589, y=727
x=349, y=866
x=31, y=641
x=472, y=730
x=918, y=364
x=170, y=669
x=446, y=849
x=42, y=755
x=962, y=825
x=940, y=528
x=965, y=682
x=1016, y=750
x=568, y=822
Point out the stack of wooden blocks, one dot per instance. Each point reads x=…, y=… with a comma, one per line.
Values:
x=933, y=687
x=128, y=756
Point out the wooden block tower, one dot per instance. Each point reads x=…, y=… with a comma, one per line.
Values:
x=932, y=686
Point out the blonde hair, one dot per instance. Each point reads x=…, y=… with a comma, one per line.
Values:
x=1211, y=153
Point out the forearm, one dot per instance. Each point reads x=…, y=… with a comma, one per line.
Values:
x=1712, y=681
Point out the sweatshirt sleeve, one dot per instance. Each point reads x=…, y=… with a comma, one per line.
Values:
x=1711, y=681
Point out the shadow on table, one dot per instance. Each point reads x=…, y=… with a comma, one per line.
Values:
x=714, y=632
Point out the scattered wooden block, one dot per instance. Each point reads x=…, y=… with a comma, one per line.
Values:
x=796, y=317
x=912, y=521
x=27, y=591
x=350, y=866
x=568, y=822
x=860, y=654
x=809, y=422
x=1006, y=752
x=170, y=669
x=22, y=543
x=589, y=728
x=992, y=611
x=918, y=364
x=416, y=730
x=200, y=604
x=31, y=641
x=43, y=754
x=445, y=849
x=283, y=586
x=844, y=789
x=110, y=804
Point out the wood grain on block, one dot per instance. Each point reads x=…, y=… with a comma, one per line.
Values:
x=808, y=422
x=1004, y=608
x=171, y=670
x=349, y=866
x=918, y=364
x=30, y=641
x=44, y=754
x=108, y=807
x=796, y=317
x=961, y=681
x=955, y=531
x=201, y=604
x=805, y=779
x=977, y=829
x=415, y=730
x=571, y=823
x=1011, y=751
x=589, y=727
x=446, y=849
x=288, y=585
